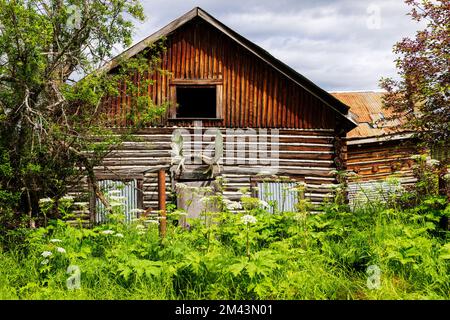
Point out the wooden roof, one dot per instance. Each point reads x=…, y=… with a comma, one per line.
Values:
x=335, y=104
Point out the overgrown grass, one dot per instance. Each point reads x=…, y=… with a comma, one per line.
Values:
x=287, y=256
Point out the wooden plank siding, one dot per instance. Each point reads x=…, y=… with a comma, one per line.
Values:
x=304, y=155
x=379, y=160
x=253, y=93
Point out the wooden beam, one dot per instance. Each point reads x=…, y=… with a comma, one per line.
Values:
x=200, y=82
x=162, y=202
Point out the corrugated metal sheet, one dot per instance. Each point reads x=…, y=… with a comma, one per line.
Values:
x=281, y=193
x=361, y=193
x=127, y=190
x=370, y=114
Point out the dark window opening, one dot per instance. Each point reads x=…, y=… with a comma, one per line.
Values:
x=196, y=102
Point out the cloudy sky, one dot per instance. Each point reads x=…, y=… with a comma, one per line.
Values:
x=338, y=44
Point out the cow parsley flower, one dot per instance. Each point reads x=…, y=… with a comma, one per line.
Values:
x=67, y=198
x=45, y=200
x=119, y=235
x=248, y=219
x=140, y=227
x=61, y=250
x=81, y=204
x=45, y=261
x=116, y=204
x=55, y=240
x=232, y=205
x=107, y=232
x=137, y=210
x=263, y=204
x=117, y=198
x=433, y=162
x=156, y=222
x=181, y=186
x=46, y=254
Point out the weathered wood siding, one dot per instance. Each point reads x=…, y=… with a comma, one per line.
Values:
x=253, y=93
x=303, y=155
x=376, y=161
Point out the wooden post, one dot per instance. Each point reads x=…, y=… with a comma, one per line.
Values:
x=162, y=202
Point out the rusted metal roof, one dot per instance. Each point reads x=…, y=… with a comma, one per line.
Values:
x=367, y=109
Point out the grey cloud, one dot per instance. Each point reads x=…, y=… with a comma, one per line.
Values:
x=329, y=42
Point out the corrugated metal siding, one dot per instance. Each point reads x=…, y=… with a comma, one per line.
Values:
x=254, y=94
x=127, y=189
x=280, y=192
x=361, y=193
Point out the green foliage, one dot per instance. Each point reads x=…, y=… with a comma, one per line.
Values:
x=255, y=255
x=53, y=129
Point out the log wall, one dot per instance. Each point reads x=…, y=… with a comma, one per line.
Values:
x=300, y=155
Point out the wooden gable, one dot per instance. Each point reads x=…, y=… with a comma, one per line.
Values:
x=253, y=88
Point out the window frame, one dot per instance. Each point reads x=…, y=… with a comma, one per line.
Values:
x=186, y=83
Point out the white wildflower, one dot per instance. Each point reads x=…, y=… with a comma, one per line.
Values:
x=116, y=204
x=205, y=200
x=119, y=235
x=433, y=162
x=114, y=192
x=117, y=198
x=140, y=227
x=181, y=186
x=61, y=250
x=67, y=198
x=263, y=204
x=107, y=232
x=45, y=200
x=45, y=261
x=156, y=222
x=81, y=204
x=46, y=254
x=141, y=232
x=248, y=219
x=55, y=240
x=137, y=210
x=232, y=205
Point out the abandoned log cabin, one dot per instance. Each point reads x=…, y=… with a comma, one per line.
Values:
x=238, y=110
x=376, y=149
